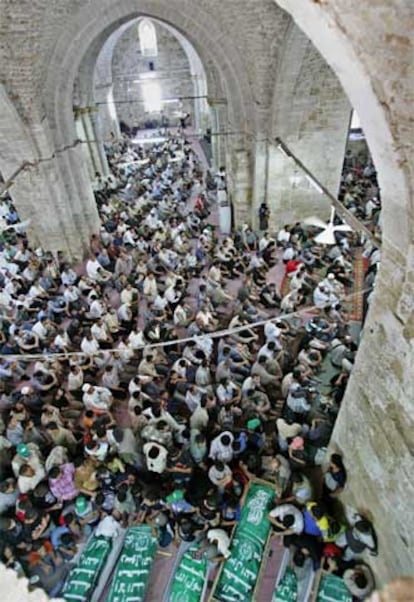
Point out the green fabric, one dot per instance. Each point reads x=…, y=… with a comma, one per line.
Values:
x=332, y=589
x=287, y=589
x=253, y=424
x=83, y=577
x=175, y=496
x=134, y=566
x=189, y=578
x=240, y=572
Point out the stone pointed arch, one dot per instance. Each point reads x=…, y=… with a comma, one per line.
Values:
x=87, y=31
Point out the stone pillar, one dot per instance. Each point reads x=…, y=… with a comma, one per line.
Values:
x=240, y=186
x=291, y=196
x=197, y=105
x=107, y=113
x=218, y=112
x=53, y=190
x=311, y=114
x=98, y=140
x=56, y=224
x=261, y=175
x=82, y=136
x=375, y=426
x=90, y=140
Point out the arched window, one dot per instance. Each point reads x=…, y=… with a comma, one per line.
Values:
x=147, y=38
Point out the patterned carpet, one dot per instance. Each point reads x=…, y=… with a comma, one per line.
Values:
x=357, y=302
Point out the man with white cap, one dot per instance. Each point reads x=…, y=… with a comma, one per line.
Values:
x=331, y=284
x=323, y=296
x=27, y=453
x=97, y=399
x=30, y=398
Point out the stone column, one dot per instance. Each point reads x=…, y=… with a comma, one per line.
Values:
x=52, y=191
x=56, y=224
x=90, y=140
x=98, y=140
x=240, y=186
x=260, y=180
x=82, y=136
x=291, y=196
x=375, y=425
x=107, y=112
x=218, y=112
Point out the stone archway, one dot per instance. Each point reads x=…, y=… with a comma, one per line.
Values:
x=375, y=425
x=78, y=49
x=102, y=86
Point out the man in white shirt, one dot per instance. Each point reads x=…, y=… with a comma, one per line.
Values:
x=100, y=332
x=200, y=418
x=125, y=315
x=221, y=448
x=283, y=236
x=289, y=253
x=287, y=519
x=75, y=379
x=155, y=457
x=89, y=344
x=71, y=295
x=129, y=294
x=136, y=339
x=96, y=309
x=97, y=399
x=40, y=328
x=150, y=287
x=221, y=539
x=322, y=296
x=193, y=398
x=68, y=276
x=92, y=268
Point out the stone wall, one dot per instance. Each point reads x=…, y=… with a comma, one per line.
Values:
x=171, y=71
x=61, y=210
x=311, y=114
x=369, y=46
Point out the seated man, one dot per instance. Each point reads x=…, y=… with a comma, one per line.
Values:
x=286, y=519
x=269, y=297
x=62, y=482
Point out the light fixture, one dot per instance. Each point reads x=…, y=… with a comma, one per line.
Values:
x=327, y=236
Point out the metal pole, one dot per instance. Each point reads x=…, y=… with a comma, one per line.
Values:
x=345, y=214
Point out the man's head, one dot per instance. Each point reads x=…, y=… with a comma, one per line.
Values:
x=225, y=440
x=317, y=511
x=26, y=471
x=299, y=558
x=288, y=521
x=153, y=452
x=219, y=466
x=118, y=434
x=54, y=472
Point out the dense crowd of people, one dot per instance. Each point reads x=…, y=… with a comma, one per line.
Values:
x=155, y=380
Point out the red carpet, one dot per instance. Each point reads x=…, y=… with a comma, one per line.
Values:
x=357, y=302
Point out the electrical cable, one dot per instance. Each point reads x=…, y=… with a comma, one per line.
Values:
x=215, y=334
